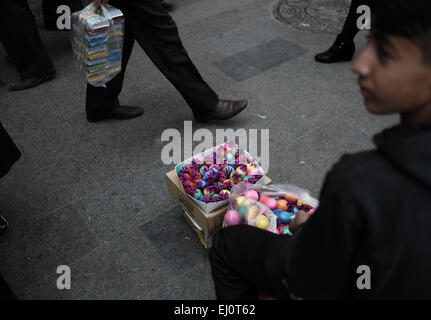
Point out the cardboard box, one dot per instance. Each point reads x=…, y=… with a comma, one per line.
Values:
x=204, y=223
x=205, y=239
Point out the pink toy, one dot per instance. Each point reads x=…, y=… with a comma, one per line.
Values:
x=311, y=211
x=232, y=217
x=262, y=198
x=255, y=172
x=271, y=203
x=251, y=194
x=271, y=230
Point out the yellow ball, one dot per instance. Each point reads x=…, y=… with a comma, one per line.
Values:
x=250, y=166
x=224, y=192
x=262, y=222
x=252, y=213
x=241, y=201
x=208, y=193
x=241, y=172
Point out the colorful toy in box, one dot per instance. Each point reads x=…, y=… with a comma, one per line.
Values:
x=270, y=208
x=245, y=208
x=97, y=42
x=210, y=177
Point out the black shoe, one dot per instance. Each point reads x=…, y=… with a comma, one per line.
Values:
x=339, y=52
x=126, y=112
x=121, y=113
x=30, y=83
x=224, y=110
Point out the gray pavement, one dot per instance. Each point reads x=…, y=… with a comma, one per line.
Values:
x=93, y=196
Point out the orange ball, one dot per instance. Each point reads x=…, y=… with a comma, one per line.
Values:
x=282, y=205
x=291, y=199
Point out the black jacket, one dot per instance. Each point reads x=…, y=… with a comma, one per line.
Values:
x=9, y=153
x=375, y=211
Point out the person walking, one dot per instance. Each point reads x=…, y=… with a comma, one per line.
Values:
x=344, y=48
x=153, y=28
x=20, y=37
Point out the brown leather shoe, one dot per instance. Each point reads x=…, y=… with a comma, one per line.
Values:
x=126, y=112
x=224, y=110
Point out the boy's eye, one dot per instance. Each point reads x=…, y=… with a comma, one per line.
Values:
x=382, y=52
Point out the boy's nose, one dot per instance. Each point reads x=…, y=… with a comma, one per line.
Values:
x=362, y=64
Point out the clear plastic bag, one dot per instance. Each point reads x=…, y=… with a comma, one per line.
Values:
x=270, y=207
x=97, y=42
x=289, y=190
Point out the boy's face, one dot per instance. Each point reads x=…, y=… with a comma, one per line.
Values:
x=393, y=76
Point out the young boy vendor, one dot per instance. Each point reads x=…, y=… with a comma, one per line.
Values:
x=370, y=237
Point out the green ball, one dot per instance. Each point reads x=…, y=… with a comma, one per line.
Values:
x=179, y=167
x=198, y=194
x=230, y=158
x=242, y=210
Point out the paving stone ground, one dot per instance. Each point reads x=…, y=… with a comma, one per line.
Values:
x=93, y=196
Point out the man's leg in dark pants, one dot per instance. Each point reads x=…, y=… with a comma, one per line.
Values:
x=157, y=34
x=343, y=49
x=350, y=28
x=100, y=102
x=21, y=38
x=246, y=260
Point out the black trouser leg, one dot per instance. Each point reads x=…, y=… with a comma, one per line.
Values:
x=102, y=101
x=246, y=260
x=158, y=36
x=350, y=28
x=6, y=292
x=6, y=38
x=21, y=39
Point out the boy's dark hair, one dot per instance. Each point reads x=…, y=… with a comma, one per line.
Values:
x=410, y=19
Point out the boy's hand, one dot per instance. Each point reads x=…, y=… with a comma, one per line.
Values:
x=97, y=3
x=300, y=218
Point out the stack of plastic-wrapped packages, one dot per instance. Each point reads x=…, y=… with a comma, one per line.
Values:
x=97, y=41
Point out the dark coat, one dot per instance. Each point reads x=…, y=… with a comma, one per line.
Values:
x=375, y=211
x=8, y=151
